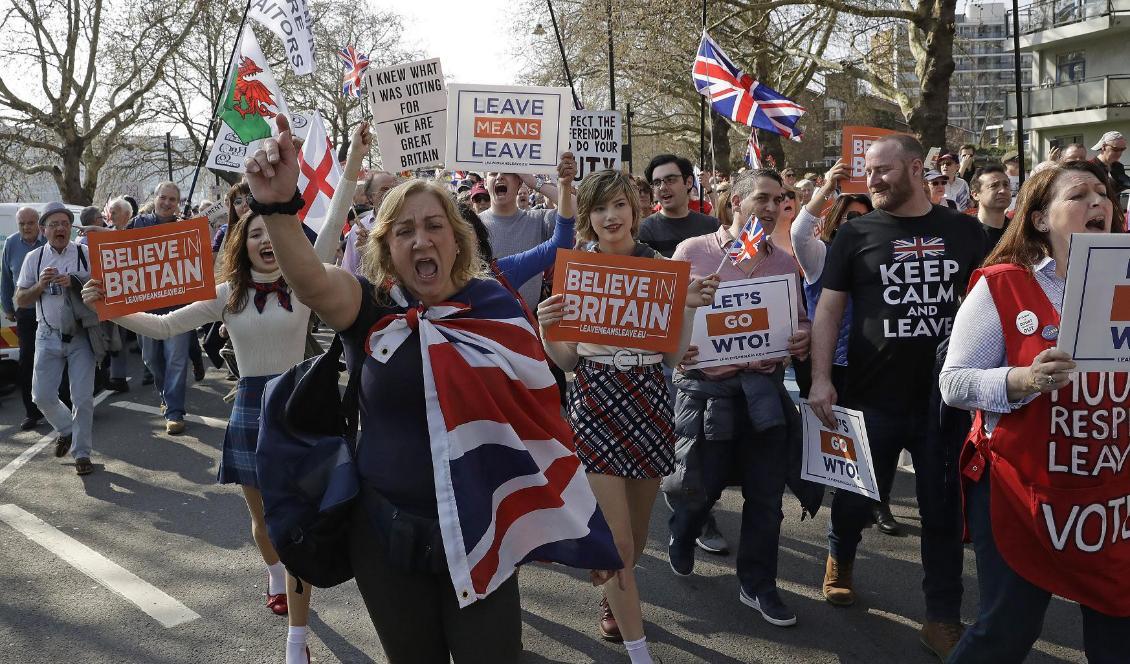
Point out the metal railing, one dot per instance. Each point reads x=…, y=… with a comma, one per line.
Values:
x=1091, y=93
x=1047, y=14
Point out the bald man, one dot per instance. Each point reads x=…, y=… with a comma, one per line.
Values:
x=16, y=247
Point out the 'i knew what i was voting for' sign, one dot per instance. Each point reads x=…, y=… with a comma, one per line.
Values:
x=840, y=457
x=750, y=320
x=513, y=129
x=409, y=107
x=1095, y=325
x=620, y=300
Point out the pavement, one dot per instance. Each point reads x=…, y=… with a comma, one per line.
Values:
x=148, y=560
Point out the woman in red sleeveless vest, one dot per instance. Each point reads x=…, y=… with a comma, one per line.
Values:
x=1047, y=496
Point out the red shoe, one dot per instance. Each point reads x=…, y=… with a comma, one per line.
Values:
x=609, y=630
x=277, y=604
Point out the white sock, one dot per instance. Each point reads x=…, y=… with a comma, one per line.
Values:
x=637, y=651
x=296, y=645
x=277, y=583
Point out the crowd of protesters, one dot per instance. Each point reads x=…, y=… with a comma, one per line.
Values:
x=391, y=245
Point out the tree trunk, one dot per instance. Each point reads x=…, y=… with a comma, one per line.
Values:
x=934, y=35
x=720, y=140
x=69, y=178
x=771, y=146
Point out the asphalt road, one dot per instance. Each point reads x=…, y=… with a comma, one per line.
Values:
x=148, y=560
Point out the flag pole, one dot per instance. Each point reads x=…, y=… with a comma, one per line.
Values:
x=702, y=128
x=215, y=110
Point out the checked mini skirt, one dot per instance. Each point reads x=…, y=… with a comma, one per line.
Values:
x=622, y=420
x=237, y=464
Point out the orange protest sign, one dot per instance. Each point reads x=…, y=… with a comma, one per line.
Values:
x=148, y=268
x=620, y=300
x=856, y=141
x=837, y=444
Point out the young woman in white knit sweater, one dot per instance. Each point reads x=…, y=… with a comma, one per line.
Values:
x=267, y=326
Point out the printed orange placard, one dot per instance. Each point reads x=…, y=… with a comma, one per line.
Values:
x=737, y=322
x=856, y=141
x=620, y=300
x=148, y=268
x=1120, y=307
x=837, y=444
x=492, y=127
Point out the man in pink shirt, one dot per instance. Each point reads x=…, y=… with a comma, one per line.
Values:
x=757, y=450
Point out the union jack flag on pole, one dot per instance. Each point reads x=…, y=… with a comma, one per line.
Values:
x=738, y=96
x=753, y=150
x=509, y=486
x=748, y=243
x=355, y=66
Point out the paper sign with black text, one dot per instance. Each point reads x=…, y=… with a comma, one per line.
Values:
x=148, y=268
x=839, y=458
x=409, y=107
x=1095, y=324
x=510, y=129
x=620, y=300
x=750, y=320
x=594, y=139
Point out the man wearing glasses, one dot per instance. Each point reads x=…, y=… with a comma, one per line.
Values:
x=672, y=179
x=936, y=188
x=1110, y=149
x=957, y=190
x=44, y=283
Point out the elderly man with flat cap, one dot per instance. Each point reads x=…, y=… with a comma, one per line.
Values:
x=1110, y=149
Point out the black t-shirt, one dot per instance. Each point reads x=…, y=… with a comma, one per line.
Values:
x=993, y=235
x=663, y=234
x=904, y=275
x=394, y=450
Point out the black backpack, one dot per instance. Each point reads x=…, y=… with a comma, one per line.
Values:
x=304, y=460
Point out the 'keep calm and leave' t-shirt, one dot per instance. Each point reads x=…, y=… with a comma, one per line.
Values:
x=904, y=275
x=663, y=234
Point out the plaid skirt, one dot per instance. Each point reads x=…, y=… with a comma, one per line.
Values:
x=237, y=464
x=622, y=420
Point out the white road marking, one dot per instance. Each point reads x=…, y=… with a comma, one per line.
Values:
x=153, y=410
x=26, y=455
x=150, y=599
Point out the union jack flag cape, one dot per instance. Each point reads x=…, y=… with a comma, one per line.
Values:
x=355, y=66
x=748, y=243
x=509, y=486
x=738, y=96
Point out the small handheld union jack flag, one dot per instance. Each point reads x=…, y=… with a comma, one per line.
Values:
x=355, y=66
x=748, y=243
x=740, y=97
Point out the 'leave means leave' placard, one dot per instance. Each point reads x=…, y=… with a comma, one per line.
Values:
x=513, y=129
x=148, y=268
x=620, y=300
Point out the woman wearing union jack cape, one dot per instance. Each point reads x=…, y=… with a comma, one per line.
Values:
x=467, y=468
x=619, y=404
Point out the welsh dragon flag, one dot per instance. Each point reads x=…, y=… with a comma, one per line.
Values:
x=252, y=99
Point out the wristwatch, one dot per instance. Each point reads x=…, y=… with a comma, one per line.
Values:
x=289, y=207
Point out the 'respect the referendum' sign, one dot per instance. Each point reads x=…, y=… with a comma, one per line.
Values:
x=594, y=139
x=409, y=107
x=513, y=129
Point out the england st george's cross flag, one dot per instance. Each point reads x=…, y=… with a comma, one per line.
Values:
x=318, y=174
x=252, y=99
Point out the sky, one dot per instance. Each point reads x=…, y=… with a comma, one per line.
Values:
x=473, y=40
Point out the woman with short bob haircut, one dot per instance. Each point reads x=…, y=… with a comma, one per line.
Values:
x=619, y=403
x=1032, y=484
x=457, y=405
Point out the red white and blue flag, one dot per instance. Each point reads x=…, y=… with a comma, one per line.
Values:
x=753, y=150
x=509, y=486
x=738, y=96
x=748, y=243
x=318, y=174
x=918, y=248
x=355, y=66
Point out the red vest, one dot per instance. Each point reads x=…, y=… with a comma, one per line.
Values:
x=1059, y=466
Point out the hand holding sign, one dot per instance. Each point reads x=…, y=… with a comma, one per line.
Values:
x=822, y=399
x=566, y=169
x=838, y=453
x=701, y=291
x=272, y=171
x=360, y=142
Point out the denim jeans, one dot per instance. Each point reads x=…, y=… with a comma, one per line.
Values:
x=52, y=355
x=1012, y=610
x=167, y=359
x=937, y=488
x=760, y=462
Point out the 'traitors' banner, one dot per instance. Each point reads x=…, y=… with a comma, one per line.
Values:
x=511, y=129
x=148, y=268
x=750, y=320
x=620, y=300
x=1095, y=325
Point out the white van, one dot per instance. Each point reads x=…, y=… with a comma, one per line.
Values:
x=9, y=344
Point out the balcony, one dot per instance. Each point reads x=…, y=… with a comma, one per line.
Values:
x=1064, y=21
x=1092, y=100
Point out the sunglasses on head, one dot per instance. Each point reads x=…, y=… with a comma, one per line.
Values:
x=852, y=214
